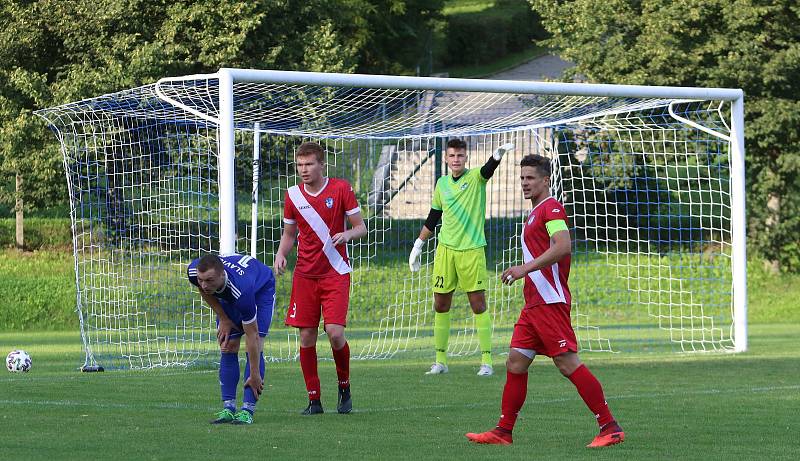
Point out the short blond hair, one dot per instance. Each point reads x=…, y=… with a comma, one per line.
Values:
x=311, y=148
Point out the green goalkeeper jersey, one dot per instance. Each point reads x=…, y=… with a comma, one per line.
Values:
x=463, y=205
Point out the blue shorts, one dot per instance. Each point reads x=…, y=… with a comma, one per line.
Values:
x=265, y=304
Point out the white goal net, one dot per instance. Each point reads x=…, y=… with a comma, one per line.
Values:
x=652, y=185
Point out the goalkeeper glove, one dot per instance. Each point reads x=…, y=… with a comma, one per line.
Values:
x=500, y=151
x=416, y=252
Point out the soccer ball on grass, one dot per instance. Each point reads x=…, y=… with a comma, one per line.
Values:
x=18, y=361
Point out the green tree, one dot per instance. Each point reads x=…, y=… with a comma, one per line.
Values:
x=53, y=52
x=748, y=44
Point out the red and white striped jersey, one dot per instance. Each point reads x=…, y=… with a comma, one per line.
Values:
x=318, y=217
x=547, y=285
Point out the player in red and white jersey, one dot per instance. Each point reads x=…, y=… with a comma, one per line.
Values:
x=544, y=324
x=318, y=209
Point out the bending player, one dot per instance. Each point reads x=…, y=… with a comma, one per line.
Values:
x=460, y=199
x=321, y=282
x=241, y=291
x=544, y=323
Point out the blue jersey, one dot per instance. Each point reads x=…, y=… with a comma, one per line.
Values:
x=245, y=278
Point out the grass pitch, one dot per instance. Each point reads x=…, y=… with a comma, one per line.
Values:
x=677, y=406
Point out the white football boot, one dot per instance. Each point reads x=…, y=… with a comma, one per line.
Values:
x=437, y=369
x=485, y=370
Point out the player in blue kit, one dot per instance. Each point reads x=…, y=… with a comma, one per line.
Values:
x=241, y=291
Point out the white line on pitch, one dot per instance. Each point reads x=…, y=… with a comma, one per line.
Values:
x=182, y=406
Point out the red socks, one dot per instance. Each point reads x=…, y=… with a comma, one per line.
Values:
x=591, y=392
x=308, y=363
x=514, y=393
x=588, y=386
x=342, y=359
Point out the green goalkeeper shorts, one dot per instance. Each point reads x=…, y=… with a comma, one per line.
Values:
x=465, y=269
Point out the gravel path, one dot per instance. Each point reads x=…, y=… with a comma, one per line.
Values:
x=541, y=68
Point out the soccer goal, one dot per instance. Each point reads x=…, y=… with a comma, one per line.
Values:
x=652, y=177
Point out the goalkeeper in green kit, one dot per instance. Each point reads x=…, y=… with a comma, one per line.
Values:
x=459, y=199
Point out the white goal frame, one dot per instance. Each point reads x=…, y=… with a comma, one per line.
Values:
x=227, y=78
x=652, y=177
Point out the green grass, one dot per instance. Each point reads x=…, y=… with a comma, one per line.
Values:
x=466, y=6
x=706, y=406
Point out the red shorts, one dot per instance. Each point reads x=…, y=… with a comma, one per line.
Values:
x=312, y=297
x=546, y=329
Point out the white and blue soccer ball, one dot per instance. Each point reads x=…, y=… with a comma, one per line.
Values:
x=18, y=361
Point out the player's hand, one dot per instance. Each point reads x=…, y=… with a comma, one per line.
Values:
x=256, y=383
x=279, y=265
x=414, y=257
x=224, y=332
x=340, y=238
x=512, y=274
x=500, y=151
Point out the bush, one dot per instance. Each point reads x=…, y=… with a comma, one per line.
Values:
x=478, y=37
x=40, y=233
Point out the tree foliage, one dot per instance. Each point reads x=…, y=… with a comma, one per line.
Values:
x=748, y=44
x=53, y=52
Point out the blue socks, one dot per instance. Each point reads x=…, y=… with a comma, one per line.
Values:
x=249, y=396
x=229, y=378
x=229, y=381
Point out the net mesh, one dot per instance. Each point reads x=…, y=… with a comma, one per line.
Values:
x=648, y=197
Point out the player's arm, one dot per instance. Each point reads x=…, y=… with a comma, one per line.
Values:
x=252, y=346
x=357, y=230
x=424, y=234
x=225, y=324
x=287, y=242
x=487, y=170
x=561, y=247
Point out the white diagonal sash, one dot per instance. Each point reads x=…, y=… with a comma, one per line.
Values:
x=549, y=294
x=320, y=228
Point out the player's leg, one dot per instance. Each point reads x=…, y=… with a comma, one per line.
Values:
x=441, y=331
x=245, y=415
x=304, y=313
x=472, y=278
x=308, y=363
x=444, y=283
x=524, y=344
x=228, y=379
x=483, y=325
x=514, y=393
x=335, y=298
x=559, y=342
x=591, y=391
x=341, y=357
x=265, y=304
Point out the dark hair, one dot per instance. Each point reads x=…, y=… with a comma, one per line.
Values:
x=311, y=148
x=208, y=262
x=457, y=144
x=542, y=164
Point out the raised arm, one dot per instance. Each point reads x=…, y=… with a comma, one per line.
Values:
x=487, y=170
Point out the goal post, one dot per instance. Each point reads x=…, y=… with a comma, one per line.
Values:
x=652, y=178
